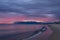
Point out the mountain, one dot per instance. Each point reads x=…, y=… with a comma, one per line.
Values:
x=27, y=23
x=36, y=22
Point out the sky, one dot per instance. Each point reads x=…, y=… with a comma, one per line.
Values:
x=37, y=10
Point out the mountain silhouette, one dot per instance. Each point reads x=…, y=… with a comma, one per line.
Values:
x=36, y=22
x=27, y=23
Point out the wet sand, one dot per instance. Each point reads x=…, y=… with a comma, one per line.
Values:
x=56, y=32
x=8, y=32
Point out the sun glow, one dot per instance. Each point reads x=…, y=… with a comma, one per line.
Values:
x=33, y=20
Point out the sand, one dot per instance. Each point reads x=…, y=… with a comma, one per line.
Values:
x=56, y=32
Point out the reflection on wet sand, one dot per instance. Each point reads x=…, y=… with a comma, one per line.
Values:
x=15, y=32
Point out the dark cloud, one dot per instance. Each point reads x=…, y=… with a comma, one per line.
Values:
x=32, y=8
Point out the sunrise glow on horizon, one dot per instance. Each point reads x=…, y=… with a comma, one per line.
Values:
x=11, y=17
x=25, y=19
